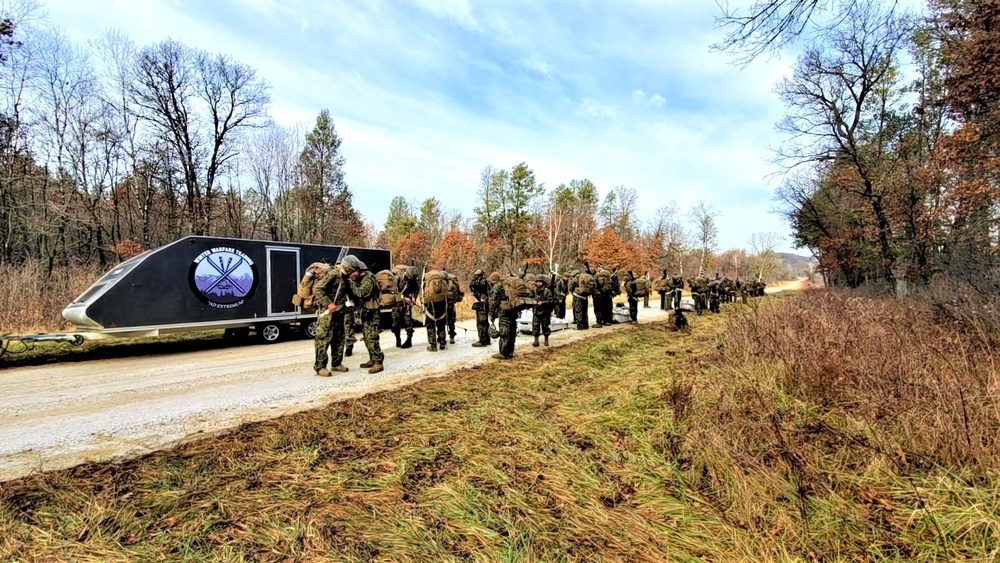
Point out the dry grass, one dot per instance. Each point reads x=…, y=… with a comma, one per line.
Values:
x=32, y=300
x=645, y=445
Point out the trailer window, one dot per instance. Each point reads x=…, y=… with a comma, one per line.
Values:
x=90, y=292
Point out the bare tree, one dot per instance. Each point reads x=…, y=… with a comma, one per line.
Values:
x=703, y=217
x=667, y=222
x=763, y=245
x=770, y=25
x=839, y=108
x=172, y=83
x=271, y=155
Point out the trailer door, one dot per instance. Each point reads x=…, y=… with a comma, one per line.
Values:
x=283, y=277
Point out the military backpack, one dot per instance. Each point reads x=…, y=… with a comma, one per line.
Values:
x=519, y=293
x=304, y=295
x=388, y=289
x=641, y=287
x=603, y=281
x=435, y=287
x=585, y=284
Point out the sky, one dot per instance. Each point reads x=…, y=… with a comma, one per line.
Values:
x=426, y=93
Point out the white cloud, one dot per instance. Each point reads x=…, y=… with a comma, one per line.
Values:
x=597, y=110
x=423, y=105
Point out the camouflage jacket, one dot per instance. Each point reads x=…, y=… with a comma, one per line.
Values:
x=480, y=288
x=366, y=290
x=331, y=288
x=545, y=300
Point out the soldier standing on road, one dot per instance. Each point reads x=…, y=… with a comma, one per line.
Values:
x=633, y=299
x=402, y=313
x=330, y=295
x=662, y=286
x=364, y=287
x=479, y=286
x=455, y=295
x=677, y=289
x=581, y=317
x=560, y=291
x=500, y=309
x=541, y=317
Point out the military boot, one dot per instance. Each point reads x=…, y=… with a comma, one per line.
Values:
x=324, y=373
x=451, y=340
x=546, y=339
x=349, y=350
x=478, y=344
x=340, y=369
x=499, y=356
x=432, y=348
x=399, y=341
x=535, y=343
x=375, y=368
x=409, y=341
x=367, y=364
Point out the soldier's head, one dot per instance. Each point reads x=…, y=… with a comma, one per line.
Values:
x=495, y=277
x=478, y=273
x=541, y=280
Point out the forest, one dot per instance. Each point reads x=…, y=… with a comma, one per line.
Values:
x=114, y=147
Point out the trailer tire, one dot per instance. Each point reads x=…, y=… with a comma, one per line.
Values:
x=271, y=332
x=310, y=329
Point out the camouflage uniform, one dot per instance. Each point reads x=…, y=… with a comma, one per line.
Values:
x=329, y=341
x=541, y=317
x=714, y=289
x=402, y=313
x=436, y=318
x=633, y=301
x=455, y=296
x=677, y=288
x=645, y=298
x=366, y=290
x=351, y=319
x=581, y=318
x=508, y=322
x=480, y=288
x=561, y=290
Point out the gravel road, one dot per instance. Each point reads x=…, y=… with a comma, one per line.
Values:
x=61, y=415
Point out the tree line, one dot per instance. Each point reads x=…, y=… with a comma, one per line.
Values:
x=893, y=121
x=111, y=148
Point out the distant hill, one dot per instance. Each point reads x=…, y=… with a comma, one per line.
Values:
x=794, y=262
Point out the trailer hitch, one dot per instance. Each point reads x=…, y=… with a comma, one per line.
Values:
x=27, y=341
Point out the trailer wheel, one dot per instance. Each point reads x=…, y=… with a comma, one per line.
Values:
x=311, y=329
x=271, y=332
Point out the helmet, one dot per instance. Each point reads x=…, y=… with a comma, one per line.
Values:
x=495, y=277
x=351, y=263
x=542, y=278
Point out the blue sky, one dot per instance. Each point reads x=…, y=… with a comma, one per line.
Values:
x=425, y=93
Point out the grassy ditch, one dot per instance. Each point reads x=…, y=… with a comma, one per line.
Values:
x=643, y=445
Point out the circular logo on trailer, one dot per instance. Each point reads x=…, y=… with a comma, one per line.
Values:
x=223, y=277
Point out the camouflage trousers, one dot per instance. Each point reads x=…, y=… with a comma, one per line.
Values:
x=402, y=319
x=664, y=301
x=633, y=309
x=560, y=311
x=540, y=322
x=677, y=298
x=508, y=332
x=370, y=328
x=329, y=340
x=483, y=323
x=713, y=303
x=452, y=319
x=602, y=309
x=645, y=301
x=351, y=319
x=435, y=317
x=581, y=318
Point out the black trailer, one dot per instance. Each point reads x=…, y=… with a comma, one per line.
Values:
x=205, y=283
